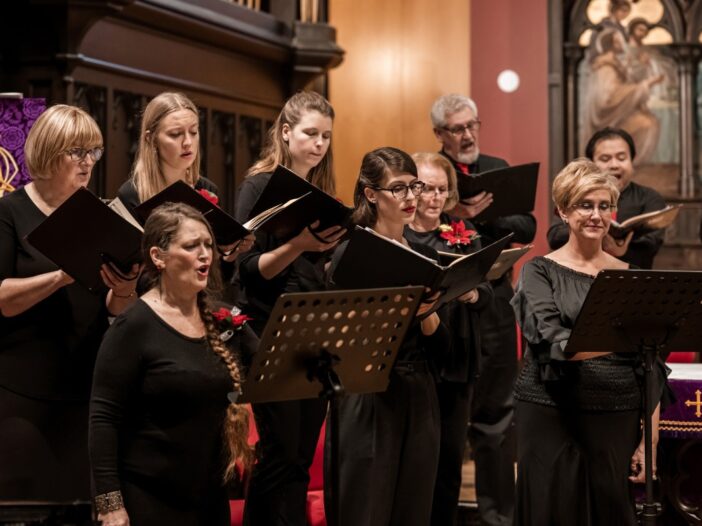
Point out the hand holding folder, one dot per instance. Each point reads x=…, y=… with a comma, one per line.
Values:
x=305, y=204
x=513, y=190
x=393, y=264
x=83, y=234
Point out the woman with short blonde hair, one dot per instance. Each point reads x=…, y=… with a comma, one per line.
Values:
x=50, y=326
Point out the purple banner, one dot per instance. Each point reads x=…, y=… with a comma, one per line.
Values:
x=16, y=118
x=683, y=419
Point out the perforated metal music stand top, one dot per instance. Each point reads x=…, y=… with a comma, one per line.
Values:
x=363, y=328
x=628, y=308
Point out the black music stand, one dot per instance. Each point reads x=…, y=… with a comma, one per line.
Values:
x=642, y=311
x=324, y=344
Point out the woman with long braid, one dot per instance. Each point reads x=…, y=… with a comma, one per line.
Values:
x=163, y=437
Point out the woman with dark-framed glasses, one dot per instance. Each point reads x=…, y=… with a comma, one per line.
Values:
x=389, y=445
x=578, y=415
x=50, y=327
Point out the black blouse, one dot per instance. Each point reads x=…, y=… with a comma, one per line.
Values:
x=462, y=361
x=157, y=410
x=48, y=351
x=547, y=301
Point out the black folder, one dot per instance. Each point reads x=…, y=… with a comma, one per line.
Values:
x=82, y=234
x=513, y=189
x=373, y=261
x=314, y=205
x=227, y=230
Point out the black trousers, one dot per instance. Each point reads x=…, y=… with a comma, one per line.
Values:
x=454, y=408
x=492, y=412
x=43, y=449
x=288, y=433
x=574, y=466
x=389, y=450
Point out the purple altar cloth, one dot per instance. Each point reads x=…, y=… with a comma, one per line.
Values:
x=683, y=419
x=16, y=118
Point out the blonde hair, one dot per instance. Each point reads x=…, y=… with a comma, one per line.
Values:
x=147, y=175
x=59, y=128
x=442, y=163
x=578, y=178
x=276, y=150
x=159, y=231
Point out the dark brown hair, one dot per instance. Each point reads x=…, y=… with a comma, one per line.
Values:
x=374, y=167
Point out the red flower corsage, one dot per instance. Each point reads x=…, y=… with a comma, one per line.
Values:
x=457, y=234
x=211, y=197
x=229, y=321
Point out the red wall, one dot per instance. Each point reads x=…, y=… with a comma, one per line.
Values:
x=512, y=34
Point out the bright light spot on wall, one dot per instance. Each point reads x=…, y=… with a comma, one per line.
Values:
x=508, y=81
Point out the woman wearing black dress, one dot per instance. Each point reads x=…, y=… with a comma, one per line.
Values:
x=389, y=442
x=299, y=139
x=578, y=415
x=50, y=327
x=459, y=366
x=163, y=437
x=169, y=151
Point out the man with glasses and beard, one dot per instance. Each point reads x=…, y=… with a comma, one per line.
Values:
x=456, y=125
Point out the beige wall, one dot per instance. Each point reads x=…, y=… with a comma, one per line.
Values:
x=400, y=56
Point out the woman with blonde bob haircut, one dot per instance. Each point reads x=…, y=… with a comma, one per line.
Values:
x=586, y=406
x=50, y=326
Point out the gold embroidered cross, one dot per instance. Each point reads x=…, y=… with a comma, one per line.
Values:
x=697, y=403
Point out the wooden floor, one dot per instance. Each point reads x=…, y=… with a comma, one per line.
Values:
x=467, y=482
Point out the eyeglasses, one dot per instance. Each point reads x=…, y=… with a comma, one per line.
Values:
x=79, y=154
x=587, y=208
x=438, y=190
x=400, y=191
x=458, y=131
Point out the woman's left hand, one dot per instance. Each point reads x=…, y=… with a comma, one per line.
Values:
x=233, y=251
x=638, y=464
x=121, y=286
x=471, y=296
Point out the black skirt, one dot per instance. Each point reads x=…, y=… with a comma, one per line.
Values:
x=574, y=466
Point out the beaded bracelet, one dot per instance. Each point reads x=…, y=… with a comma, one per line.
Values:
x=108, y=502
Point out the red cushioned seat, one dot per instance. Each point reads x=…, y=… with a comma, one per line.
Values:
x=315, y=493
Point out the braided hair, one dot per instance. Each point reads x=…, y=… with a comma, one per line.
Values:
x=159, y=231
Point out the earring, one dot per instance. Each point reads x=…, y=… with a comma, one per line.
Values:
x=565, y=220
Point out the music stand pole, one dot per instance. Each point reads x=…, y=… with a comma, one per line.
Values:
x=650, y=508
x=325, y=344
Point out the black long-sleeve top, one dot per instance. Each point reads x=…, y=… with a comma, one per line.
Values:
x=416, y=345
x=547, y=302
x=462, y=361
x=157, y=410
x=48, y=351
x=634, y=200
x=305, y=274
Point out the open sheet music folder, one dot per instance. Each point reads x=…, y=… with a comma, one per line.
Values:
x=314, y=204
x=227, y=230
x=374, y=261
x=82, y=234
x=513, y=189
x=645, y=222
